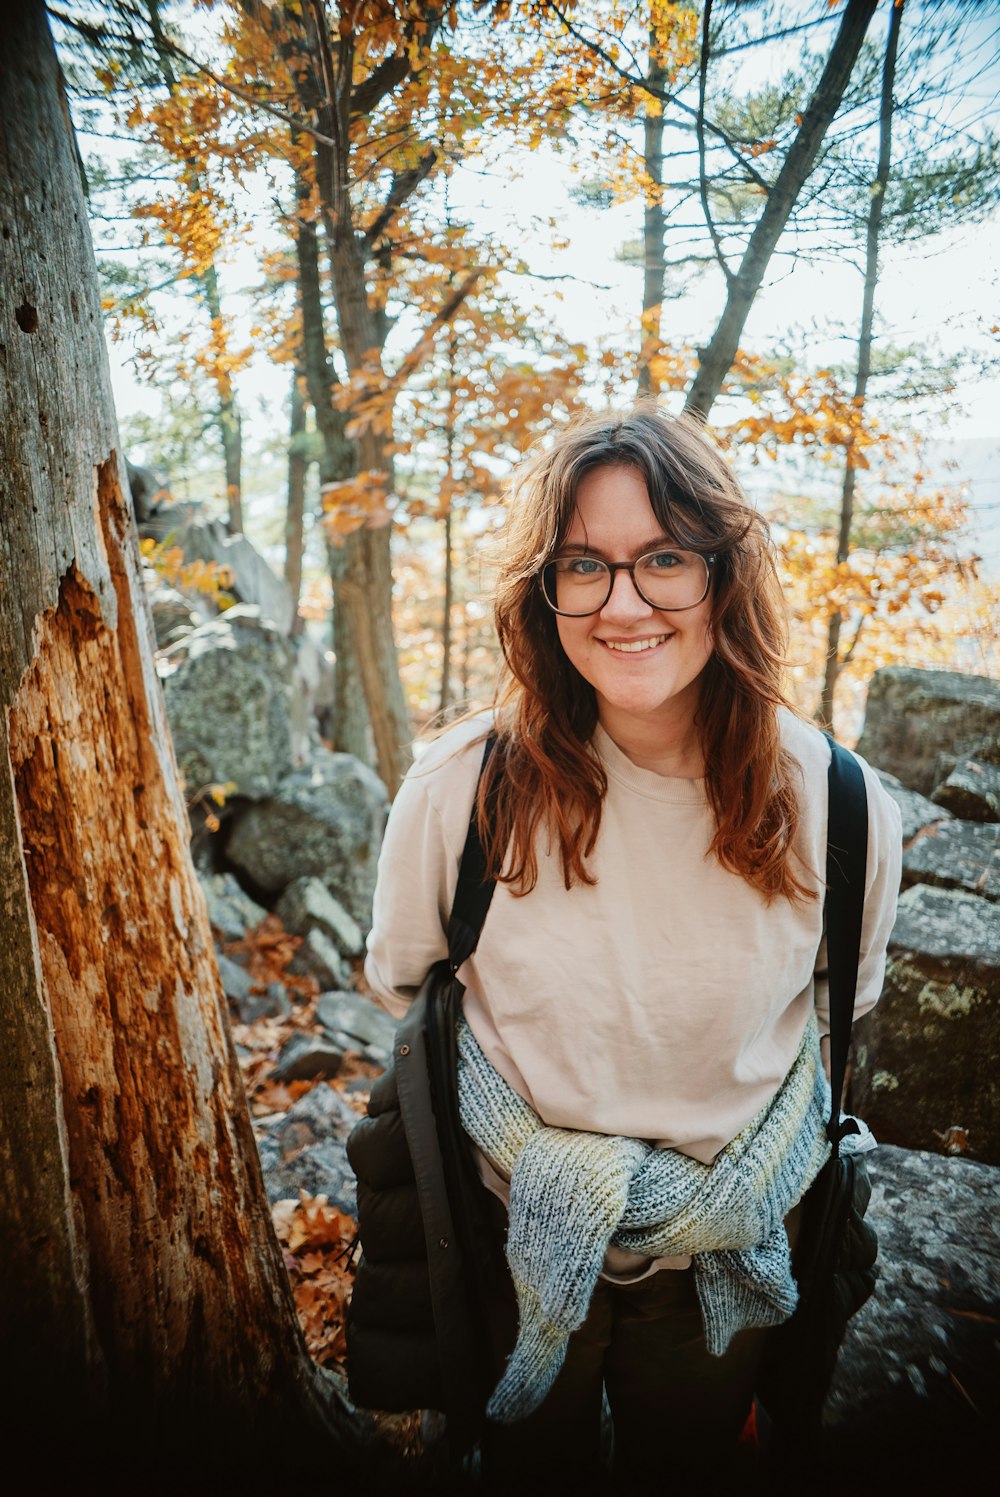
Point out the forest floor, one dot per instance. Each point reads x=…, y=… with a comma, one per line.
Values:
x=319, y=1242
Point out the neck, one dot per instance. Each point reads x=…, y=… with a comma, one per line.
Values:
x=672, y=749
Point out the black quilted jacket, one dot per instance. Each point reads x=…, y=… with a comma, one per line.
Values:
x=416, y=1327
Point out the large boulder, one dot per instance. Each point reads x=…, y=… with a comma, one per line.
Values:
x=925, y=1068
x=323, y=821
x=228, y=701
x=916, y=811
x=920, y=723
x=918, y=1373
x=956, y=855
x=972, y=790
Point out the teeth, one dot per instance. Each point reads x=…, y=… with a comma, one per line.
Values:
x=634, y=647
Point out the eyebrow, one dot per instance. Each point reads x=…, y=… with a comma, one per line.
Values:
x=660, y=543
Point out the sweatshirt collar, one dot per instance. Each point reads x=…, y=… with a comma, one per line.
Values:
x=647, y=782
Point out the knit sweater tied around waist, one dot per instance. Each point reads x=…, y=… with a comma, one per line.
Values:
x=574, y=1193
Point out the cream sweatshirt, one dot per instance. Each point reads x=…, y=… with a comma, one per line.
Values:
x=666, y=1001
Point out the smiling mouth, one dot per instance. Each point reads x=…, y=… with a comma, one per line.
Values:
x=636, y=646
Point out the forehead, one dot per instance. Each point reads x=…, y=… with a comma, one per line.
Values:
x=612, y=506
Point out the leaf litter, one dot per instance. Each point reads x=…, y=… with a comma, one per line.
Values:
x=319, y=1242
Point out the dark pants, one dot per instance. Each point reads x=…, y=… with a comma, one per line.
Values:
x=676, y=1410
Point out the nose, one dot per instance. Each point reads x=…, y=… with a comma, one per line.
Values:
x=625, y=604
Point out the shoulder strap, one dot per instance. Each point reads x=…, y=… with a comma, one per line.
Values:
x=846, y=860
x=475, y=889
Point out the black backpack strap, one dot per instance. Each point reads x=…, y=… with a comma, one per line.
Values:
x=846, y=861
x=475, y=888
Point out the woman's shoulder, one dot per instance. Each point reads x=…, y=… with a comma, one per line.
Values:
x=810, y=748
x=806, y=744
x=445, y=763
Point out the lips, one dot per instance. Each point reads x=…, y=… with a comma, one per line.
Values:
x=635, y=646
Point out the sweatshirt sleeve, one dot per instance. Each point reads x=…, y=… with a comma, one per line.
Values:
x=883, y=873
x=418, y=872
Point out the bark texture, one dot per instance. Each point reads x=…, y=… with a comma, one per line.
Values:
x=142, y=1280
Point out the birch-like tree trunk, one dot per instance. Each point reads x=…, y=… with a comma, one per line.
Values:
x=144, y=1305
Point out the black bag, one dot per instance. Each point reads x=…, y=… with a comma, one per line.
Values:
x=836, y=1250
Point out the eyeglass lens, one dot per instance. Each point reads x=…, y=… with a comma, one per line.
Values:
x=664, y=579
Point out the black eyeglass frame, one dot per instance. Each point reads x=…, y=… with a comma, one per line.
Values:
x=628, y=566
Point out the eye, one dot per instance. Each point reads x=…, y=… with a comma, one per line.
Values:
x=662, y=561
x=580, y=566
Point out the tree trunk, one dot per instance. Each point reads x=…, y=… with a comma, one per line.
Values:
x=653, y=226
x=365, y=586
x=144, y=1302
x=295, y=509
x=717, y=358
x=351, y=730
x=834, y=663
x=446, y=645
x=230, y=425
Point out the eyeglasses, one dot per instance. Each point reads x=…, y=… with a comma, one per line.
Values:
x=671, y=580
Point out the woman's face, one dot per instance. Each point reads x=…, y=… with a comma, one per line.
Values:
x=658, y=682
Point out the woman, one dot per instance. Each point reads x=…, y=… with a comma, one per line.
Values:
x=639, y=1070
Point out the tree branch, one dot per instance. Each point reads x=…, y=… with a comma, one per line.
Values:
x=96, y=34
x=404, y=184
x=706, y=22
x=664, y=96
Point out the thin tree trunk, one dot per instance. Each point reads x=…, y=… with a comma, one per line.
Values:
x=717, y=358
x=295, y=509
x=446, y=645
x=351, y=731
x=653, y=227
x=230, y=424
x=834, y=663
x=365, y=587
x=144, y=1303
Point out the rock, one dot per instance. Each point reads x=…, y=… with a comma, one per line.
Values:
x=324, y=821
x=355, y=1019
x=925, y=1057
x=231, y=911
x=320, y=1170
x=956, y=855
x=920, y=723
x=920, y=1358
x=236, y=982
x=307, y=903
x=915, y=810
x=174, y=615
x=318, y=957
x=971, y=791
x=229, y=701
x=305, y=1056
x=274, y=1003
x=320, y=1115
x=253, y=581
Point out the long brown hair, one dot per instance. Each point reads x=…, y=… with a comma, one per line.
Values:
x=544, y=778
